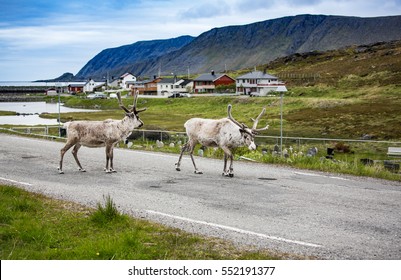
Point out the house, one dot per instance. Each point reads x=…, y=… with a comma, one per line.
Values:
x=258, y=83
x=207, y=83
x=126, y=80
x=168, y=86
x=114, y=83
x=75, y=88
x=139, y=86
x=91, y=85
x=150, y=86
x=146, y=87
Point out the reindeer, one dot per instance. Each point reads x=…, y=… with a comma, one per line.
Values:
x=101, y=133
x=226, y=133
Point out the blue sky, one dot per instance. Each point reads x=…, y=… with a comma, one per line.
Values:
x=43, y=39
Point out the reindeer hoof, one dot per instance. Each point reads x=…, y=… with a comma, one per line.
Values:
x=110, y=170
x=231, y=175
x=198, y=172
x=82, y=169
x=60, y=172
x=178, y=169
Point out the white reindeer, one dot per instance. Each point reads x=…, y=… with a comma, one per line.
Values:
x=101, y=133
x=226, y=133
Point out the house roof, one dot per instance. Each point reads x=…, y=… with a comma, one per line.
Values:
x=77, y=84
x=126, y=74
x=185, y=82
x=168, y=80
x=257, y=75
x=210, y=77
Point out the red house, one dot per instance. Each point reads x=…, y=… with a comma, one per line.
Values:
x=76, y=88
x=206, y=83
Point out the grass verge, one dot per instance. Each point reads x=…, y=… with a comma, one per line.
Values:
x=35, y=227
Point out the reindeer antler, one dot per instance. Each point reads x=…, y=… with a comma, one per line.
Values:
x=255, y=122
x=134, y=109
x=121, y=103
x=231, y=117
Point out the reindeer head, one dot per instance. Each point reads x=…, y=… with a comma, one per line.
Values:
x=248, y=134
x=132, y=114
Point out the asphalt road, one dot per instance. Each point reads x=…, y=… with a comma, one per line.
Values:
x=299, y=212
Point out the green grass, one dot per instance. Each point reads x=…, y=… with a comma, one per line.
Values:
x=35, y=227
x=319, y=111
x=7, y=113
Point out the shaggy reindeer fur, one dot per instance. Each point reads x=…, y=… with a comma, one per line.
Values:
x=100, y=133
x=225, y=133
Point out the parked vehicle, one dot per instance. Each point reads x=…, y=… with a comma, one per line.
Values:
x=97, y=95
x=178, y=95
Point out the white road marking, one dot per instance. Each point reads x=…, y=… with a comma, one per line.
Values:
x=154, y=154
x=238, y=230
x=318, y=175
x=308, y=174
x=15, y=182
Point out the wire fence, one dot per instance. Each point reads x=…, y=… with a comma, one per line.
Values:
x=372, y=147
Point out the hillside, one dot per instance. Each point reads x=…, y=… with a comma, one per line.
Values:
x=238, y=47
x=377, y=64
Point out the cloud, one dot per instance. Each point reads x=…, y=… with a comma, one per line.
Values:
x=206, y=10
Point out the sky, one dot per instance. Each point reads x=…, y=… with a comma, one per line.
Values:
x=41, y=39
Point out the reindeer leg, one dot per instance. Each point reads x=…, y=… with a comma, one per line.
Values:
x=225, y=165
x=183, y=149
x=228, y=154
x=231, y=172
x=111, y=156
x=191, y=151
x=62, y=153
x=108, y=148
x=75, y=154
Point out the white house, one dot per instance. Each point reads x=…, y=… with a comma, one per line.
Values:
x=126, y=80
x=259, y=84
x=115, y=83
x=168, y=86
x=91, y=85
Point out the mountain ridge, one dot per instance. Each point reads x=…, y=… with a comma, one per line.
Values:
x=241, y=46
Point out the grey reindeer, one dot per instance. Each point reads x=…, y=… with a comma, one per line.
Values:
x=101, y=134
x=226, y=133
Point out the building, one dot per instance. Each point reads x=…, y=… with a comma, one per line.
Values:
x=207, y=83
x=75, y=88
x=126, y=80
x=168, y=86
x=92, y=86
x=258, y=83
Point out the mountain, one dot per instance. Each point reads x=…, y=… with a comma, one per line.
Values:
x=66, y=77
x=237, y=47
x=117, y=61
